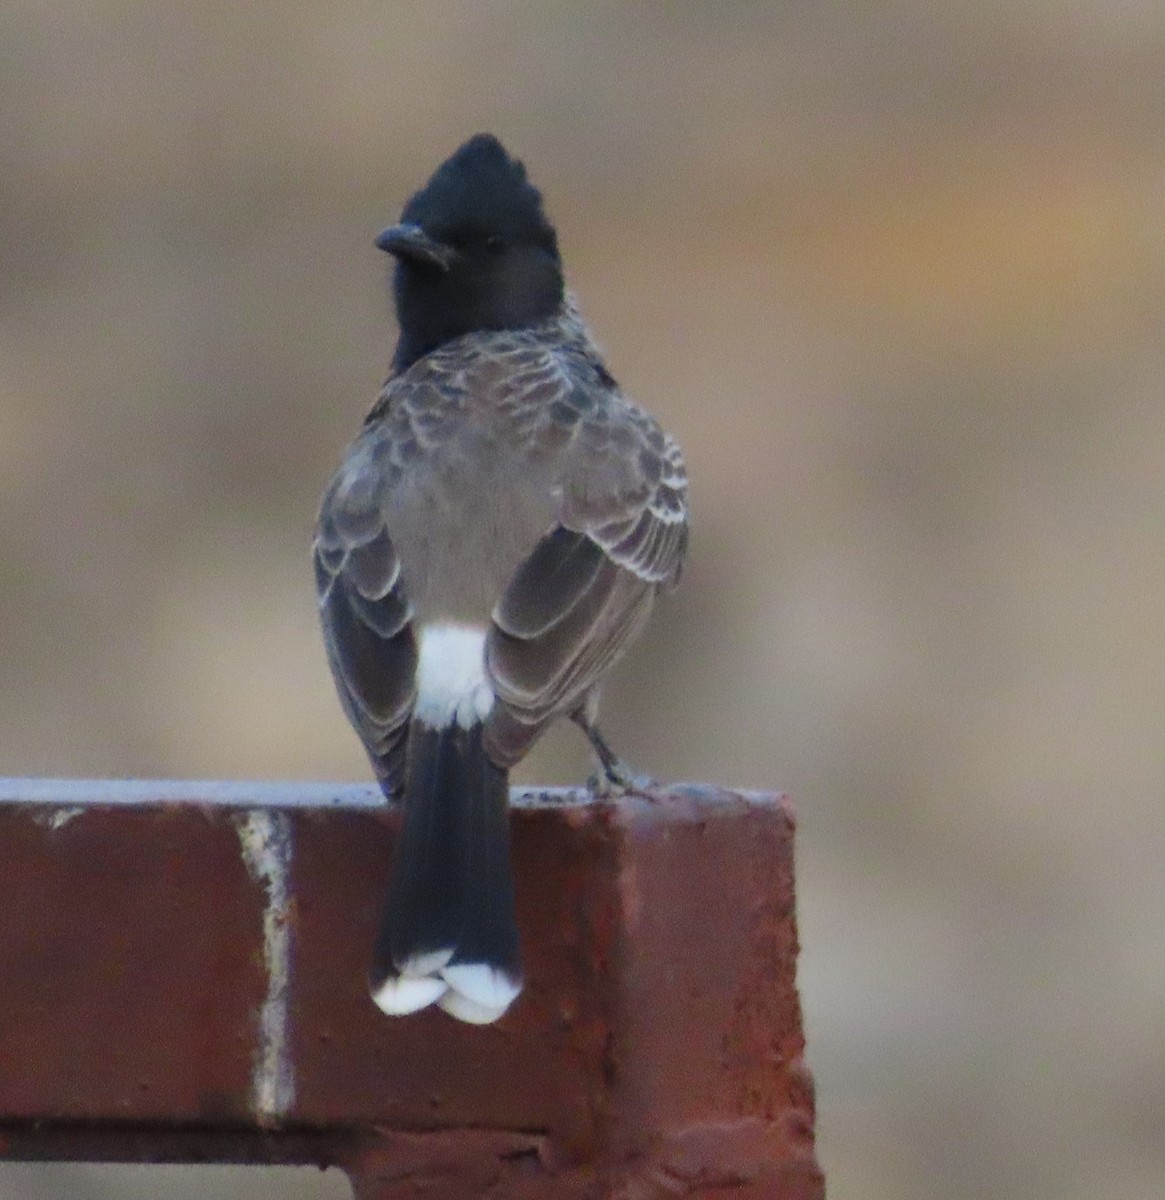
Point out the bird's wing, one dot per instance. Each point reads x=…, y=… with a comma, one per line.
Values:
x=365, y=613
x=588, y=586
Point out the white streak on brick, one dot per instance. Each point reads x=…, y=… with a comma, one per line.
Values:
x=265, y=837
x=57, y=818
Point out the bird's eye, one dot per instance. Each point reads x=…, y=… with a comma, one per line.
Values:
x=494, y=242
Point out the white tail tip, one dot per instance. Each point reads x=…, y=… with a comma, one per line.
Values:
x=400, y=995
x=477, y=993
x=471, y=992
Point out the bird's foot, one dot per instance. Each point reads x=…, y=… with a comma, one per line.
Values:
x=616, y=779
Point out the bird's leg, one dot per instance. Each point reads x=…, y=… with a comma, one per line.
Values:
x=614, y=775
x=614, y=768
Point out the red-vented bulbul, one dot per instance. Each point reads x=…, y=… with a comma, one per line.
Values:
x=492, y=542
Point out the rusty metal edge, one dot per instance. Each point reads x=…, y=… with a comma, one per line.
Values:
x=248, y=794
x=165, y=1144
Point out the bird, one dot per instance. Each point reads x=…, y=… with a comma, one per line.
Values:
x=492, y=541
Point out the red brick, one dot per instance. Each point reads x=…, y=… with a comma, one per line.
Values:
x=656, y=1050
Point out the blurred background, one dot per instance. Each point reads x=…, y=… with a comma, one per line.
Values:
x=895, y=276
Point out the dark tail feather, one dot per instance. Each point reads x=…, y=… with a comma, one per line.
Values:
x=449, y=933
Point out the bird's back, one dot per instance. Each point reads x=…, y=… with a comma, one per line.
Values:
x=471, y=455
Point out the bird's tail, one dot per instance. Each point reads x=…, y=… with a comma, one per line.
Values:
x=449, y=934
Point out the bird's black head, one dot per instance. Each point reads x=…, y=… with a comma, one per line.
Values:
x=474, y=250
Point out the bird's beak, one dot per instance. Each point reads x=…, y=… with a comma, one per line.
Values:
x=413, y=244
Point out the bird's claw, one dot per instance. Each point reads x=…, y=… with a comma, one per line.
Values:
x=615, y=780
